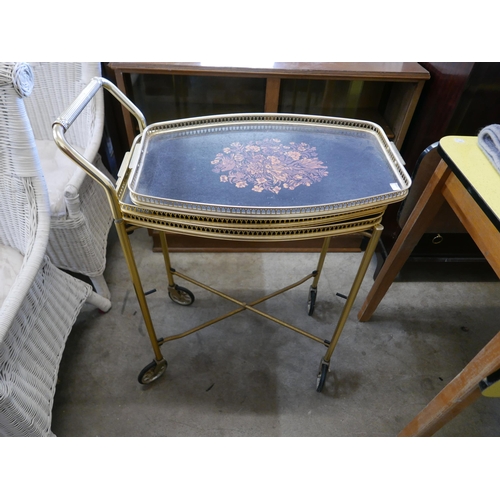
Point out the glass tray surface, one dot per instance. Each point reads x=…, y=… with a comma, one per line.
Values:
x=263, y=165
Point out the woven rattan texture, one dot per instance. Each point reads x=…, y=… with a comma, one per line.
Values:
x=78, y=237
x=43, y=302
x=31, y=351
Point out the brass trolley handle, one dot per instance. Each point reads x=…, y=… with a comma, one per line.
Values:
x=66, y=119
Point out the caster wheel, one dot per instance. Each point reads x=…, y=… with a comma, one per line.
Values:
x=152, y=371
x=323, y=372
x=311, y=300
x=181, y=296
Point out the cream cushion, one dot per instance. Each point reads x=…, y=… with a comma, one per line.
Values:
x=11, y=261
x=57, y=170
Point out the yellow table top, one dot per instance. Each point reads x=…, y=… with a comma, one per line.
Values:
x=475, y=171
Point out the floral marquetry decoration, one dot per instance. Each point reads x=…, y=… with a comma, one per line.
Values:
x=269, y=165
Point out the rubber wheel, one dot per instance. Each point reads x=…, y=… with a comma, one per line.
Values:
x=152, y=372
x=311, y=300
x=323, y=372
x=181, y=296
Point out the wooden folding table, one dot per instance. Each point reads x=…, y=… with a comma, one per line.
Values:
x=467, y=180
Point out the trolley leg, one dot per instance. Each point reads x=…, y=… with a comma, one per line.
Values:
x=370, y=249
x=313, y=289
x=322, y=256
x=177, y=294
x=166, y=258
x=159, y=364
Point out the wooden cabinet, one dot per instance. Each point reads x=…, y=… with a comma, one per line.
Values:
x=460, y=99
x=385, y=93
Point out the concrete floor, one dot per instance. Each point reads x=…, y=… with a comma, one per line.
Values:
x=247, y=376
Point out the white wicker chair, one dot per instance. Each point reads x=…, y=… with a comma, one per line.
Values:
x=38, y=302
x=80, y=215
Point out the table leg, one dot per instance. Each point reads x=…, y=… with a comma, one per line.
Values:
x=478, y=225
x=370, y=249
x=321, y=261
x=178, y=294
x=425, y=209
x=324, y=366
x=313, y=289
x=139, y=291
x=458, y=394
x=166, y=258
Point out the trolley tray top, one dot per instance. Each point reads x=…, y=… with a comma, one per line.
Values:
x=274, y=164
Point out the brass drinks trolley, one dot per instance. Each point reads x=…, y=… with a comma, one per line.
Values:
x=247, y=177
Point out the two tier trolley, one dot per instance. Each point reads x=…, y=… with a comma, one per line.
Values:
x=247, y=177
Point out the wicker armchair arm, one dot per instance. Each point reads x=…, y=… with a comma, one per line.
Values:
x=23, y=164
x=18, y=75
x=92, y=148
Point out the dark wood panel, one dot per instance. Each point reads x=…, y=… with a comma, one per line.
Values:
x=439, y=99
x=479, y=105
